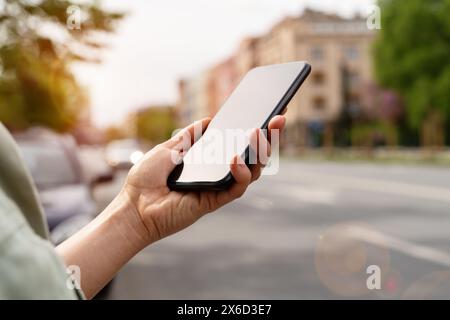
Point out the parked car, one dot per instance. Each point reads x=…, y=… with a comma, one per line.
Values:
x=64, y=190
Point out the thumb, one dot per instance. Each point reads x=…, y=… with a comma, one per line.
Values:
x=166, y=159
x=186, y=137
x=171, y=152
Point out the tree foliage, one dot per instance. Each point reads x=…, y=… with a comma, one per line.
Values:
x=37, y=48
x=412, y=56
x=155, y=124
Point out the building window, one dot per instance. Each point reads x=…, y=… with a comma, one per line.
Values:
x=319, y=103
x=351, y=53
x=317, y=53
x=318, y=78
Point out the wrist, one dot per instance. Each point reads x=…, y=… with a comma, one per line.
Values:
x=102, y=247
x=127, y=222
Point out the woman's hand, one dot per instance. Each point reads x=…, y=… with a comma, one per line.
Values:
x=146, y=210
x=164, y=212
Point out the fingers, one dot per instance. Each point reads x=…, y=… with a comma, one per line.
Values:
x=183, y=140
x=261, y=146
x=260, y=151
x=256, y=170
x=242, y=176
x=277, y=123
x=166, y=159
x=169, y=154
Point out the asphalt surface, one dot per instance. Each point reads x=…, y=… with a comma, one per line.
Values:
x=309, y=232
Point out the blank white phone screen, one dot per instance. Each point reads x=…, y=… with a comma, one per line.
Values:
x=248, y=107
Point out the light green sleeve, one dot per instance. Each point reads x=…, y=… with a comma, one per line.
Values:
x=29, y=265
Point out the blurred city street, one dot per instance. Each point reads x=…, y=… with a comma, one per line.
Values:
x=271, y=243
x=360, y=205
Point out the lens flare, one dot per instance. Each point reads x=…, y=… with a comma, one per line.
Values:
x=136, y=156
x=343, y=255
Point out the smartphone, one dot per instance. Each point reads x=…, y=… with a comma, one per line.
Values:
x=263, y=93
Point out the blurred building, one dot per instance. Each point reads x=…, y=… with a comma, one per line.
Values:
x=339, y=52
x=223, y=78
x=194, y=98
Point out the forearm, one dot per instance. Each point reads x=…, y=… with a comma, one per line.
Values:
x=102, y=247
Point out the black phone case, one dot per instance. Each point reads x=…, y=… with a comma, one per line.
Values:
x=228, y=180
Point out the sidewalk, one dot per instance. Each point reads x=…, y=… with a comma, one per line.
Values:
x=380, y=155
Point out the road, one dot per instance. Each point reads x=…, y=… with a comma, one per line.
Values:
x=309, y=232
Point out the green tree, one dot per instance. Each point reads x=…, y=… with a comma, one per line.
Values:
x=155, y=124
x=412, y=57
x=37, y=48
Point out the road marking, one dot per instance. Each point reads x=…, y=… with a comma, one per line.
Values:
x=260, y=203
x=376, y=185
x=310, y=194
x=147, y=259
x=409, y=248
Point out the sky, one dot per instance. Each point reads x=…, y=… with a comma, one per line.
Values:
x=162, y=41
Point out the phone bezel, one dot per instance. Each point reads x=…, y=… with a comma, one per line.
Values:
x=228, y=180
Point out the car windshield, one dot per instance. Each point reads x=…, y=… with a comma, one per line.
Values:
x=50, y=166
